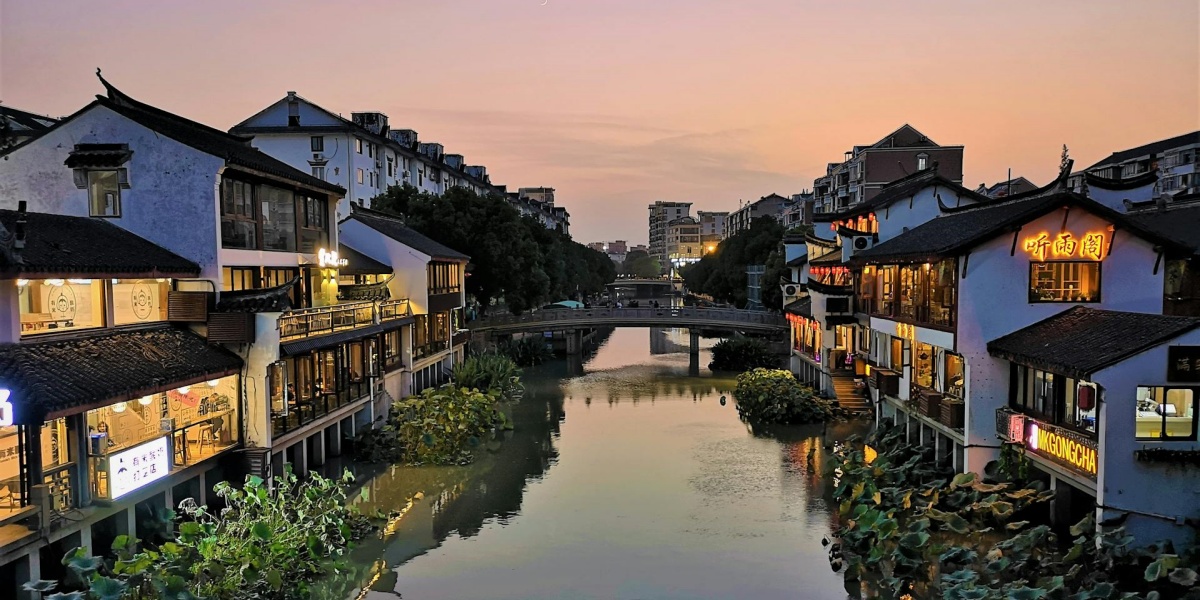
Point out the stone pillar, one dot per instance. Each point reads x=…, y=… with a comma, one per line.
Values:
x=335, y=439
x=131, y=521
x=300, y=450
x=574, y=342
x=85, y=539
x=693, y=342
x=28, y=568
x=318, y=447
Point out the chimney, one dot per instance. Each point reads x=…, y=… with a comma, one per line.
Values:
x=293, y=110
x=405, y=137
x=375, y=122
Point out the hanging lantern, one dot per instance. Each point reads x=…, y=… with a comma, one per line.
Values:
x=1087, y=397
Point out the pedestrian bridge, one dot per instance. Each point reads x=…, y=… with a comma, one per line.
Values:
x=569, y=319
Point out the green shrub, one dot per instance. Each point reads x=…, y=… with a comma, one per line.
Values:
x=527, y=351
x=491, y=372
x=440, y=426
x=774, y=396
x=742, y=354
x=266, y=544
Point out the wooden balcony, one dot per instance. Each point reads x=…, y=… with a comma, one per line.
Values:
x=300, y=324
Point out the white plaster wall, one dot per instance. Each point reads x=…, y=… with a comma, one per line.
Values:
x=1124, y=484
x=1115, y=199
x=258, y=357
x=994, y=301
x=173, y=192
x=411, y=280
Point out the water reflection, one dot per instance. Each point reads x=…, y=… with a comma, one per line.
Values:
x=651, y=489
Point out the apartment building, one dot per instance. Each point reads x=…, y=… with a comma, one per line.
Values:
x=771, y=206
x=1170, y=166
x=865, y=170
x=662, y=213
x=684, y=245
x=363, y=154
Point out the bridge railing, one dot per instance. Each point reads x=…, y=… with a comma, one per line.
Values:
x=565, y=316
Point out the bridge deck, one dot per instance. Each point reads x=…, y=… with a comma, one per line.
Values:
x=579, y=318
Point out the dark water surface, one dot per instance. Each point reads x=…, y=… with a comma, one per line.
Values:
x=630, y=481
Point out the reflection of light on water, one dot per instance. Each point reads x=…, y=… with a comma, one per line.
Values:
x=379, y=568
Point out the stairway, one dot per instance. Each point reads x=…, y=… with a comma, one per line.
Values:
x=849, y=397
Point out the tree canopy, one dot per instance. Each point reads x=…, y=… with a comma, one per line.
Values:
x=639, y=263
x=722, y=274
x=514, y=258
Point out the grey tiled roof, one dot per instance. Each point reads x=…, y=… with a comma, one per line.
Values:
x=394, y=228
x=59, y=245
x=274, y=299
x=70, y=375
x=1180, y=223
x=1080, y=341
x=1151, y=148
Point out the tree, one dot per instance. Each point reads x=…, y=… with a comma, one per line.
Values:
x=514, y=258
x=640, y=264
x=722, y=274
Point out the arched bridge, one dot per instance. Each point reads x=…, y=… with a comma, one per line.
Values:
x=566, y=319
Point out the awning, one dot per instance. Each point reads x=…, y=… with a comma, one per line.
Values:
x=1080, y=341
x=317, y=342
x=358, y=263
x=802, y=307
x=63, y=377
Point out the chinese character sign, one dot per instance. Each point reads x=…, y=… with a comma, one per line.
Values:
x=1183, y=364
x=131, y=469
x=1065, y=246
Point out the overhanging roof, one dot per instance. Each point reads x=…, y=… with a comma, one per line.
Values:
x=395, y=229
x=61, y=377
x=64, y=246
x=358, y=263
x=1080, y=341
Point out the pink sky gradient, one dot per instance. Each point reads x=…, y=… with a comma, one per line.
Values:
x=618, y=103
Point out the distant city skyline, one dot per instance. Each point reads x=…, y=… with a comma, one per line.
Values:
x=620, y=103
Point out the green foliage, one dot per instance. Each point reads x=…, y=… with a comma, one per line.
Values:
x=268, y=544
x=513, y=258
x=973, y=538
x=722, y=274
x=491, y=372
x=440, y=426
x=774, y=396
x=527, y=351
x=639, y=263
x=742, y=354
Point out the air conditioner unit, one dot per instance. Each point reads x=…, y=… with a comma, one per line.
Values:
x=791, y=289
x=862, y=243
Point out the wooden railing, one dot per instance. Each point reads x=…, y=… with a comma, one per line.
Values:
x=326, y=319
x=393, y=309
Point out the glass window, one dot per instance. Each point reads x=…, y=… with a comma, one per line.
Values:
x=10, y=470
x=205, y=418
x=319, y=173
x=140, y=300
x=53, y=305
x=238, y=226
x=923, y=366
x=1166, y=413
x=1064, y=282
x=897, y=354
x=955, y=377
x=318, y=143
x=359, y=175
x=358, y=144
x=393, y=353
x=104, y=193
x=239, y=278
x=278, y=219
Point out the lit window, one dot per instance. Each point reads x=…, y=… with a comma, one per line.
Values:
x=922, y=162
x=1166, y=413
x=139, y=300
x=360, y=176
x=1064, y=281
x=53, y=305
x=104, y=193
x=358, y=143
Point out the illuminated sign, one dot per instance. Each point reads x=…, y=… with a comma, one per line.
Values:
x=136, y=467
x=906, y=331
x=6, y=409
x=1070, y=449
x=330, y=259
x=1065, y=245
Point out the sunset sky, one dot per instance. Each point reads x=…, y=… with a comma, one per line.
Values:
x=618, y=103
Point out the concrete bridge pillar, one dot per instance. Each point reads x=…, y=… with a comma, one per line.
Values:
x=693, y=342
x=574, y=342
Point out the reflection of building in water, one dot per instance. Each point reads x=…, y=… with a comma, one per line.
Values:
x=668, y=341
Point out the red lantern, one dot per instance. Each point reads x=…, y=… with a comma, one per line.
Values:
x=1087, y=397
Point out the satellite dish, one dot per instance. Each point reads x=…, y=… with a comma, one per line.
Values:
x=860, y=243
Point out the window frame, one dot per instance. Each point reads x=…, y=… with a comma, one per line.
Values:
x=1099, y=281
x=1163, y=437
x=317, y=143
x=116, y=174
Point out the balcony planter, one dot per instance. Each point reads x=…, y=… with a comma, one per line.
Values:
x=887, y=382
x=953, y=413
x=930, y=404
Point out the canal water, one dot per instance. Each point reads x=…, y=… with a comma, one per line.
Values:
x=630, y=480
